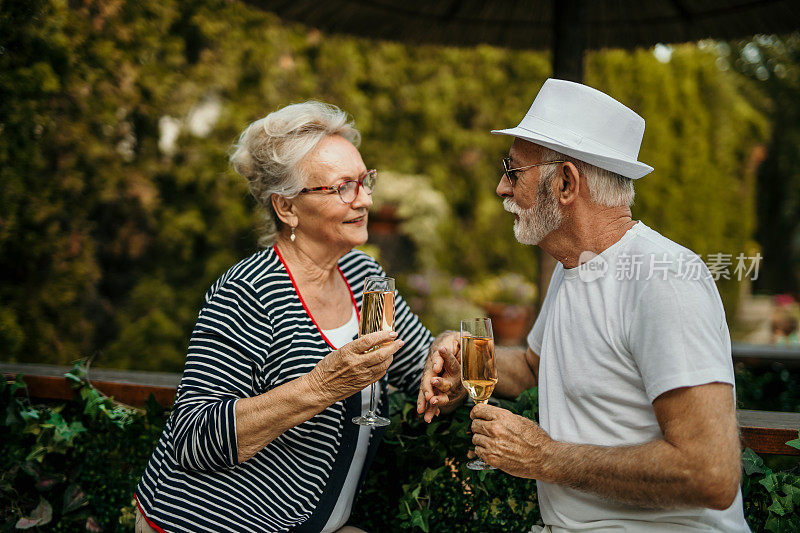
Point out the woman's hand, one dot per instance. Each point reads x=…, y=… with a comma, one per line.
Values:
x=354, y=366
x=441, y=387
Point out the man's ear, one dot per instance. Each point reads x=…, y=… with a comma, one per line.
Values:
x=569, y=183
x=285, y=209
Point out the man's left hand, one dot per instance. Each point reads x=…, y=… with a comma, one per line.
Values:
x=510, y=442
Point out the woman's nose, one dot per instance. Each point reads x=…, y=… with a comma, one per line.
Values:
x=362, y=199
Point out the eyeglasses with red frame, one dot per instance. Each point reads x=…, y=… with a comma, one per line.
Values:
x=348, y=190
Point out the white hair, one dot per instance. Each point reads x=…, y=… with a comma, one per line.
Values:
x=606, y=188
x=269, y=152
x=538, y=221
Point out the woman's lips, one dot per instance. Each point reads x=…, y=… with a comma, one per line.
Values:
x=360, y=221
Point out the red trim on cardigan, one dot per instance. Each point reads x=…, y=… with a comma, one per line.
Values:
x=305, y=307
x=149, y=522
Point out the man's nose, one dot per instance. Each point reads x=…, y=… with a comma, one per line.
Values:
x=504, y=188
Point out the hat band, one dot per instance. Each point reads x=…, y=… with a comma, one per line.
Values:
x=570, y=138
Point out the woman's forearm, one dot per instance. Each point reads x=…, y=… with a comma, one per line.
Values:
x=263, y=418
x=339, y=375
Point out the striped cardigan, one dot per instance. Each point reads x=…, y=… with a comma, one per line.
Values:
x=253, y=334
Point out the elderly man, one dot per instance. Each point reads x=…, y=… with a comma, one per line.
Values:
x=631, y=351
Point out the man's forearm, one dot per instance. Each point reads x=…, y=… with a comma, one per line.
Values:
x=653, y=475
x=695, y=463
x=514, y=374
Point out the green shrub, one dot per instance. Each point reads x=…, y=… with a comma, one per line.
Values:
x=420, y=472
x=74, y=467
x=773, y=388
x=771, y=499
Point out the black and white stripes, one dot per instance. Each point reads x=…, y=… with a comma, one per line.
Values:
x=254, y=334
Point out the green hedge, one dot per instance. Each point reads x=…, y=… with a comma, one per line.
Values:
x=420, y=474
x=108, y=240
x=74, y=466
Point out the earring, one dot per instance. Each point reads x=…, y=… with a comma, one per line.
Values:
x=292, y=237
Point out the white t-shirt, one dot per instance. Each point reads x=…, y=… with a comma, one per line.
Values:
x=610, y=341
x=341, y=511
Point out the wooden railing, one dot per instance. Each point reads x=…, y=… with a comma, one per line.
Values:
x=761, y=355
x=765, y=432
x=131, y=387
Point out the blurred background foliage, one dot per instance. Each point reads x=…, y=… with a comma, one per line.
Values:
x=118, y=208
x=773, y=64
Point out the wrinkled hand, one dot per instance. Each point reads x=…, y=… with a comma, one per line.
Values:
x=441, y=386
x=351, y=368
x=510, y=442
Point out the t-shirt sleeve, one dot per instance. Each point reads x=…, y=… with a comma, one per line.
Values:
x=536, y=335
x=678, y=335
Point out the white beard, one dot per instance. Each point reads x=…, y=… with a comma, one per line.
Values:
x=537, y=222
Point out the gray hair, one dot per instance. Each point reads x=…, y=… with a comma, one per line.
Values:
x=269, y=152
x=606, y=188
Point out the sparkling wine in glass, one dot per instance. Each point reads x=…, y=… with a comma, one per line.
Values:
x=478, y=368
x=377, y=314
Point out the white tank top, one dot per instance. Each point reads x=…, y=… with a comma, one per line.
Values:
x=338, y=337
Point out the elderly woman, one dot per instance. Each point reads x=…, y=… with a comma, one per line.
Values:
x=260, y=438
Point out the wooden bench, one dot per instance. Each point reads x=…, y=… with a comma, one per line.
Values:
x=765, y=432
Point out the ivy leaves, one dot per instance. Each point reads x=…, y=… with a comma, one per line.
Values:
x=51, y=454
x=771, y=499
x=41, y=515
x=421, y=473
x=96, y=404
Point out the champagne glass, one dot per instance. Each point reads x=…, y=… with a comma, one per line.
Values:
x=478, y=368
x=377, y=314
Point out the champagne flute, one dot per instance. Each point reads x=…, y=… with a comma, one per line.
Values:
x=478, y=367
x=377, y=314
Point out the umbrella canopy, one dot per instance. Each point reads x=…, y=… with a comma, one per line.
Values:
x=531, y=24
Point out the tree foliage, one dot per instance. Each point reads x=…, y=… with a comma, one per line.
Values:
x=773, y=63
x=118, y=208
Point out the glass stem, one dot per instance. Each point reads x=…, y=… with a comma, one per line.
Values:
x=371, y=412
x=473, y=448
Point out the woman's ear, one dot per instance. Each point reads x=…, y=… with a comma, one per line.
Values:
x=285, y=209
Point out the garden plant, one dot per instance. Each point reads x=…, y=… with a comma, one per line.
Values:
x=73, y=466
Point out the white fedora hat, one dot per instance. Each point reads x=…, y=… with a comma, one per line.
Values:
x=586, y=124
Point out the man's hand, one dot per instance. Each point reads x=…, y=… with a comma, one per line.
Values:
x=440, y=387
x=514, y=444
